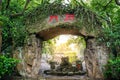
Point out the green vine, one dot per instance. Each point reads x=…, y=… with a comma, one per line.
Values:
x=86, y=18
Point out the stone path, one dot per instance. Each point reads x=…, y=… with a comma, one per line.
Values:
x=75, y=77
x=49, y=77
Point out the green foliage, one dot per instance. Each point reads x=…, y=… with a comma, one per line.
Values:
x=109, y=14
x=112, y=71
x=71, y=55
x=55, y=45
x=48, y=46
x=77, y=41
x=13, y=28
x=13, y=32
x=46, y=9
x=111, y=36
x=7, y=66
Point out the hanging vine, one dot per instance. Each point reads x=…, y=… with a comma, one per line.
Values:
x=85, y=17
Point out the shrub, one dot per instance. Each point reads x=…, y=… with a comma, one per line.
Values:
x=7, y=66
x=112, y=71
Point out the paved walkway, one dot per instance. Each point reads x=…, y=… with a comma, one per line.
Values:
x=75, y=77
x=50, y=77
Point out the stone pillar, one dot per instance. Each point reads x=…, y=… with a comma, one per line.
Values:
x=96, y=56
x=30, y=56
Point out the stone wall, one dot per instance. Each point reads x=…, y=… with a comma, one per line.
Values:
x=96, y=56
x=29, y=56
x=45, y=24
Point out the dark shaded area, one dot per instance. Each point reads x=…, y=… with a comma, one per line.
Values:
x=56, y=31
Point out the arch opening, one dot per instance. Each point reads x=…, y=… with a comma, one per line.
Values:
x=63, y=48
x=92, y=55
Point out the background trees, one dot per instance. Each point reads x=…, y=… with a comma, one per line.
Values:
x=109, y=12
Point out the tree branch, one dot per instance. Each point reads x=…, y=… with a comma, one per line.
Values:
x=8, y=3
x=26, y=4
x=21, y=13
x=82, y=2
x=17, y=14
x=107, y=4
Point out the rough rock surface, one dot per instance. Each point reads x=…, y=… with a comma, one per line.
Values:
x=45, y=28
x=30, y=57
x=95, y=57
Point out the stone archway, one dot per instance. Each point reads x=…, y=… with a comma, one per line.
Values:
x=95, y=55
